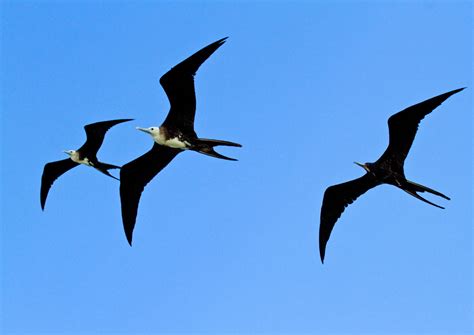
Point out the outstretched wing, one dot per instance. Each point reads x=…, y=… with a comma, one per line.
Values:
x=403, y=126
x=178, y=84
x=95, y=135
x=134, y=176
x=51, y=172
x=336, y=199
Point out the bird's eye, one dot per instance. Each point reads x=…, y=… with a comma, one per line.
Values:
x=152, y=128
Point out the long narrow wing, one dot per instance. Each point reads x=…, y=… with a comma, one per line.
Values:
x=178, y=84
x=403, y=126
x=95, y=135
x=336, y=199
x=134, y=176
x=51, y=172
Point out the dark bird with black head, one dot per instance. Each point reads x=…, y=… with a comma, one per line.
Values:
x=87, y=155
x=175, y=135
x=388, y=169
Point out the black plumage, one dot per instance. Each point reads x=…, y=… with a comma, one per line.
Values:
x=174, y=135
x=86, y=154
x=135, y=176
x=388, y=169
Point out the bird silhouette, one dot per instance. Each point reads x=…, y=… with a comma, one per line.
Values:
x=87, y=155
x=388, y=169
x=175, y=135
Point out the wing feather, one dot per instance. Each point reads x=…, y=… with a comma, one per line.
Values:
x=336, y=199
x=51, y=172
x=403, y=126
x=95, y=135
x=178, y=84
x=134, y=176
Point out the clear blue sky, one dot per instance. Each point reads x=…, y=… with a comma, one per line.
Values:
x=231, y=247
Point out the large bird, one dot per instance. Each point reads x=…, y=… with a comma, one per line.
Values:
x=175, y=135
x=388, y=169
x=87, y=155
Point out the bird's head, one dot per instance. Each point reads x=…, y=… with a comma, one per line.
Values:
x=365, y=166
x=69, y=152
x=153, y=131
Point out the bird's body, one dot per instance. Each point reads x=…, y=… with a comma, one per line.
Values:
x=172, y=138
x=388, y=169
x=175, y=135
x=79, y=157
x=86, y=155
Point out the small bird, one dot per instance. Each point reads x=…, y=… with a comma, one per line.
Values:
x=84, y=155
x=388, y=169
x=175, y=135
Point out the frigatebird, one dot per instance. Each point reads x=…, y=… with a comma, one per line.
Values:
x=84, y=155
x=388, y=169
x=175, y=135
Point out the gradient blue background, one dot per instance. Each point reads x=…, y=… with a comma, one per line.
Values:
x=231, y=247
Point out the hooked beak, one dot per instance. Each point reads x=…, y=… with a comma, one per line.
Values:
x=362, y=166
x=145, y=130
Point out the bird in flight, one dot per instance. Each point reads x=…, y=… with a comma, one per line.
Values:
x=388, y=169
x=84, y=155
x=175, y=135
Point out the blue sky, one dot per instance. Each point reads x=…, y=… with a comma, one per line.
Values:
x=231, y=247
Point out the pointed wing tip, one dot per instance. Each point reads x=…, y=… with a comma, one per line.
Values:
x=221, y=41
x=457, y=90
x=129, y=237
x=322, y=253
x=128, y=228
x=118, y=121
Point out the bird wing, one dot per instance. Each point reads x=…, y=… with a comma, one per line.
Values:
x=336, y=199
x=178, y=84
x=95, y=135
x=403, y=126
x=51, y=172
x=135, y=175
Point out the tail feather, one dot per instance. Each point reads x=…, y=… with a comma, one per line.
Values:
x=104, y=167
x=214, y=143
x=421, y=188
x=106, y=173
x=206, y=146
x=211, y=152
x=421, y=198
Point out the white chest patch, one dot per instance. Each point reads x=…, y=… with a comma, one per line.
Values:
x=174, y=142
x=75, y=158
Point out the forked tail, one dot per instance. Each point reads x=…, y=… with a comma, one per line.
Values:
x=412, y=188
x=206, y=146
x=104, y=167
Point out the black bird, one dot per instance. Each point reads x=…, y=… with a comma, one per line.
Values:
x=175, y=135
x=388, y=169
x=84, y=155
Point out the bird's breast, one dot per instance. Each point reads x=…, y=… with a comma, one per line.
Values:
x=171, y=140
x=76, y=157
x=176, y=142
